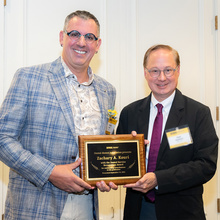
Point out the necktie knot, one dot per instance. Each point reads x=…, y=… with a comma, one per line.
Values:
x=159, y=107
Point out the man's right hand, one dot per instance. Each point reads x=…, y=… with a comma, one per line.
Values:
x=63, y=178
x=134, y=134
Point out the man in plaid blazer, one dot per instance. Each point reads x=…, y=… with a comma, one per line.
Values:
x=38, y=132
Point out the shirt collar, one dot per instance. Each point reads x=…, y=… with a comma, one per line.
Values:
x=166, y=103
x=68, y=73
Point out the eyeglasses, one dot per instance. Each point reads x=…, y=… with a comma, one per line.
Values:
x=75, y=36
x=168, y=72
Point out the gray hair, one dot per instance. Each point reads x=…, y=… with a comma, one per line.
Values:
x=81, y=14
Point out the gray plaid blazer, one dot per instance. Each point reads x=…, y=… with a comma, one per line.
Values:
x=36, y=133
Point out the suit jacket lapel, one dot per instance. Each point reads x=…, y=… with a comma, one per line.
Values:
x=174, y=118
x=102, y=98
x=57, y=79
x=143, y=117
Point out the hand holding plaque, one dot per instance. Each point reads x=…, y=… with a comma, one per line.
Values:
x=116, y=158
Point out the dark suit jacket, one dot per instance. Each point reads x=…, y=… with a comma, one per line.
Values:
x=180, y=172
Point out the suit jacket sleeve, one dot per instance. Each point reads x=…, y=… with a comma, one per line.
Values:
x=13, y=116
x=193, y=165
x=187, y=167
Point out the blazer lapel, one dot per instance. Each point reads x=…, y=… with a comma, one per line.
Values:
x=102, y=98
x=143, y=118
x=57, y=80
x=174, y=118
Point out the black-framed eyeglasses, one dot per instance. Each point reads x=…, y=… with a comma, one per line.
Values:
x=155, y=72
x=75, y=36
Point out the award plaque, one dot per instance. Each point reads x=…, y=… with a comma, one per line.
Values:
x=116, y=158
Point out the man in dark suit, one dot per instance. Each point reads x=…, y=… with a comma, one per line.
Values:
x=188, y=145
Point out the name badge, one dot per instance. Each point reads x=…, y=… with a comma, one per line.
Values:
x=111, y=121
x=110, y=126
x=179, y=136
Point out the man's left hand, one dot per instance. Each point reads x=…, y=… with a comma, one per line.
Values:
x=103, y=187
x=146, y=183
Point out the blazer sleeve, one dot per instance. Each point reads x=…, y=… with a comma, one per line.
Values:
x=13, y=117
x=190, y=166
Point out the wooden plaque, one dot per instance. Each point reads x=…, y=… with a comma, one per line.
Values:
x=116, y=158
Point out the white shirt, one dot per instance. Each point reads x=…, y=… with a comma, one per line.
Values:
x=87, y=121
x=84, y=103
x=167, y=103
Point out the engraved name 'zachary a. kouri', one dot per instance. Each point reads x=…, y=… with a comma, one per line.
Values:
x=113, y=157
